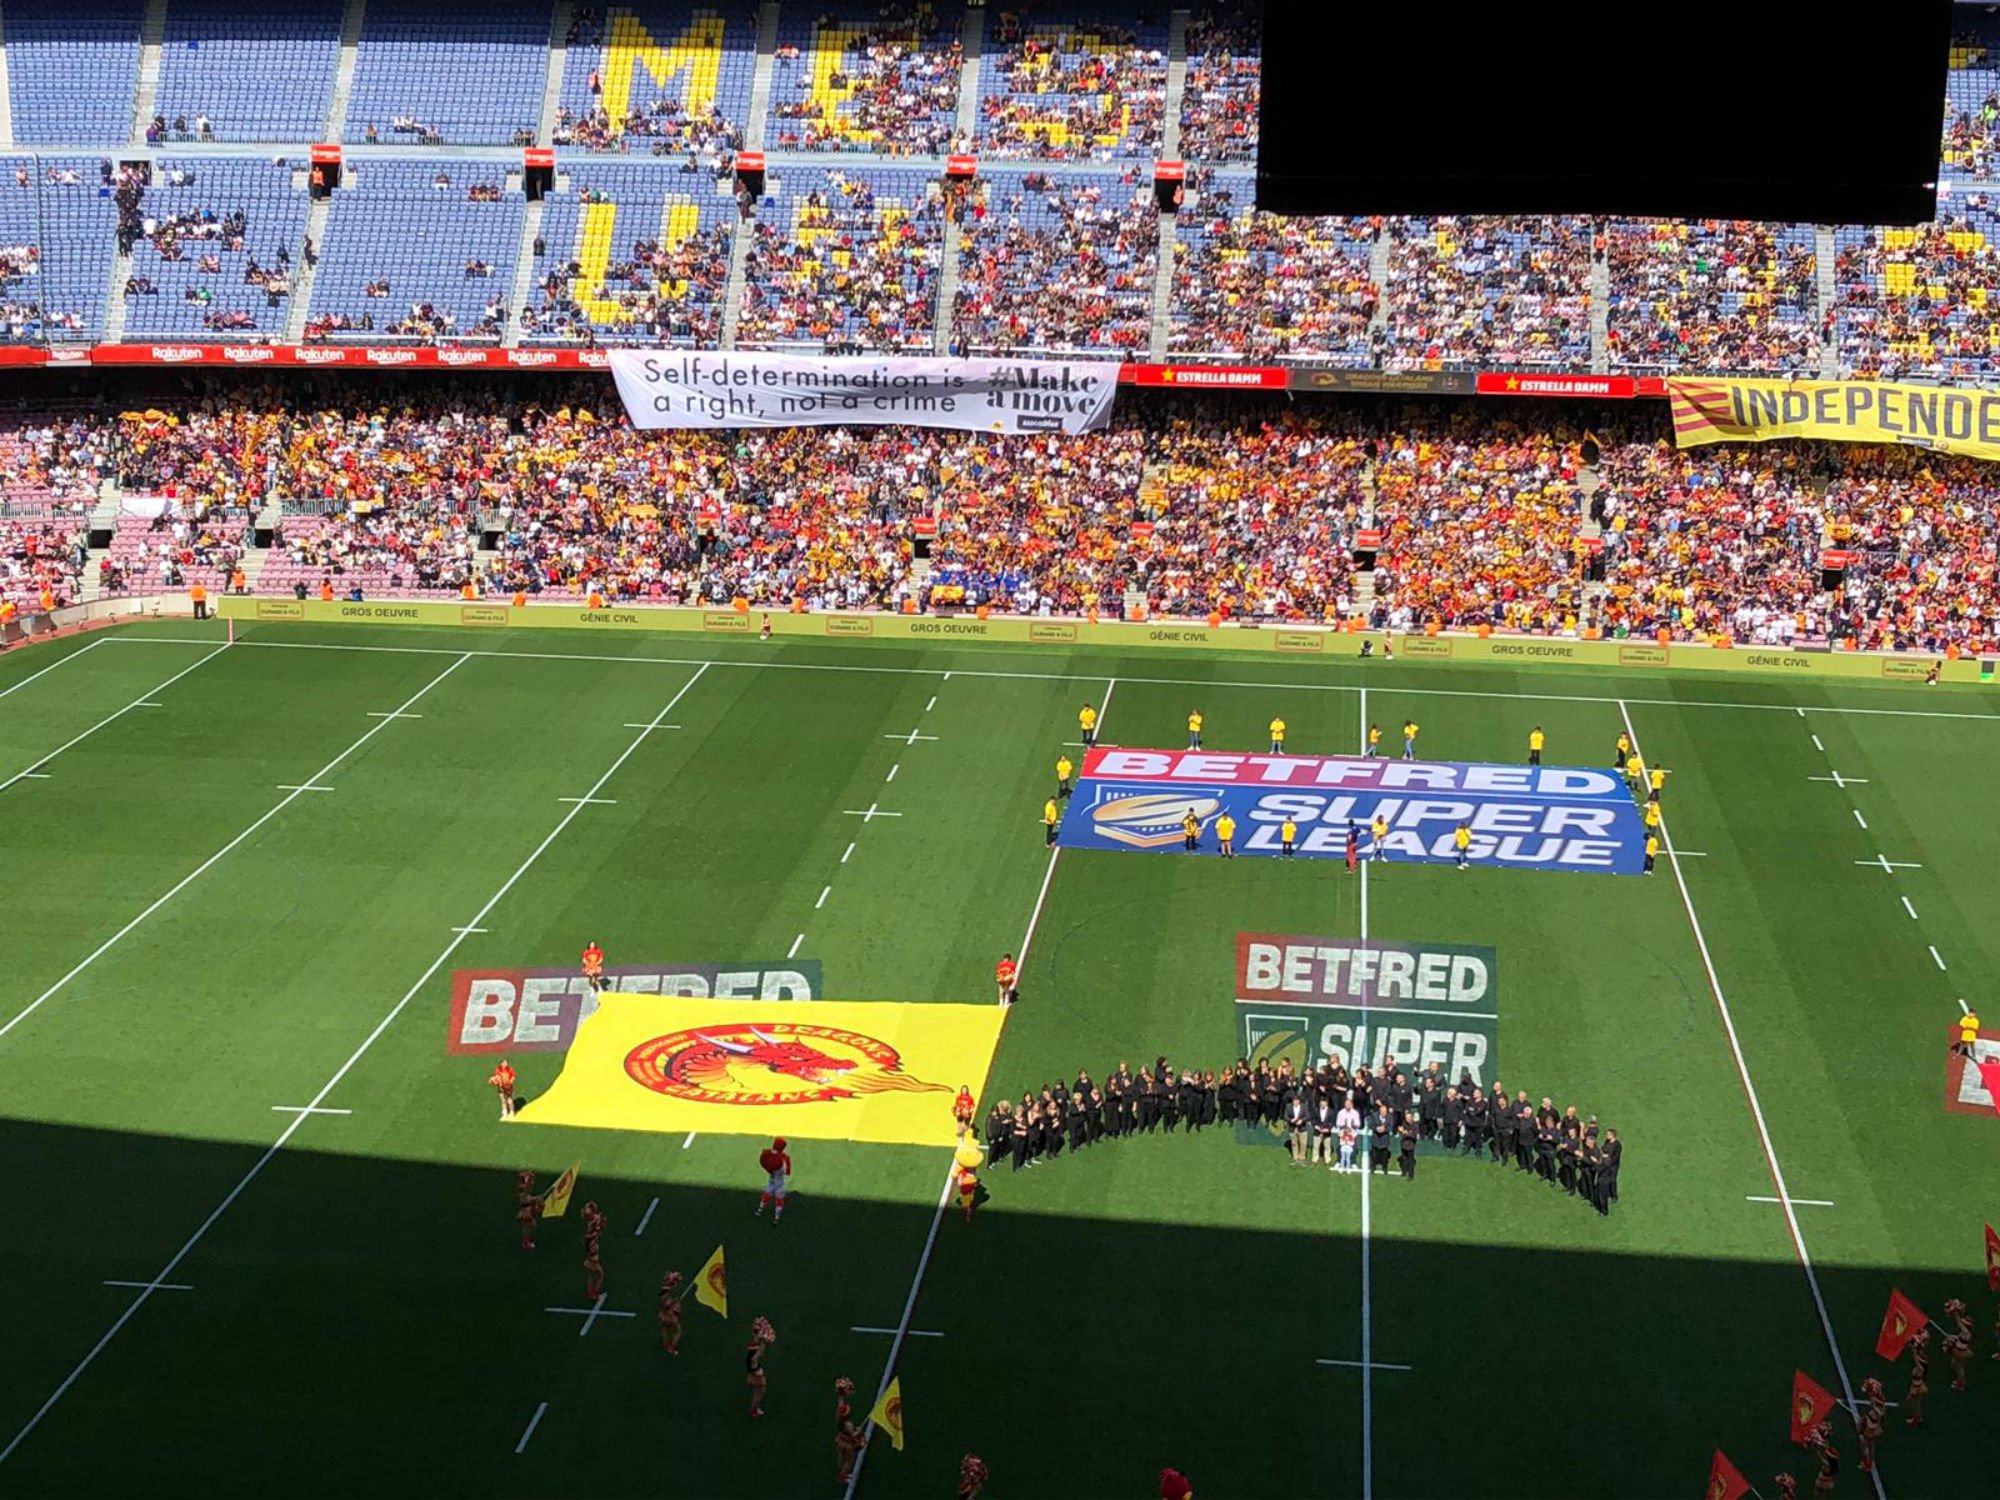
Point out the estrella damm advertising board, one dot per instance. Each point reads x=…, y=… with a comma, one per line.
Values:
x=1363, y=1000
x=1520, y=817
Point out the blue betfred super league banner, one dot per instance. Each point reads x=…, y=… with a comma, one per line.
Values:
x=1520, y=817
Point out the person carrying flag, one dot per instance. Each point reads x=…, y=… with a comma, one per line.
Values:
x=593, y=965
x=1920, y=1364
x=670, y=1312
x=1958, y=1345
x=529, y=1206
x=501, y=1080
x=848, y=1439
x=1004, y=973
x=1064, y=771
x=777, y=1165
x=1820, y=1445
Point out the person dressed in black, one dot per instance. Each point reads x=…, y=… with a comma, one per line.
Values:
x=1477, y=1113
x=1500, y=1126
x=1545, y=1146
x=1589, y=1158
x=1052, y=1120
x=1076, y=1117
x=1454, y=1120
x=1524, y=1134
x=1038, y=1129
x=1170, y=1098
x=1114, y=1103
x=1146, y=1102
x=1378, y=1140
x=1093, y=1111
x=1407, y=1134
x=999, y=1130
x=1190, y=1092
x=1430, y=1107
x=1608, y=1157
x=1018, y=1133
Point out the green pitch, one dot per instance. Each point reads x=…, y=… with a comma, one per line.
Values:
x=191, y=952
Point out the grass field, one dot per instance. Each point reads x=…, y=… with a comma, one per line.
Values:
x=188, y=950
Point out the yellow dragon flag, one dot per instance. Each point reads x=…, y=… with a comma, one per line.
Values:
x=819, y=1070
x=888, y=1413
x=711, y=1284
x=555, y=1202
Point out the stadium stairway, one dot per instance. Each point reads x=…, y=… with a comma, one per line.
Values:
x=6, y=91
x=1161, y=327
x=307, y=270
x=1829, y=298
x=524, y=270
x=944, y=334
x=545, y=130
x=152, y=37
x=972, y=42
x=115, y=307
x=1600, y=315
x=1378, y=276
x=760, y=81
x=343, y=88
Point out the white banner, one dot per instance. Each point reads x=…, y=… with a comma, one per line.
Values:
x=664, y=389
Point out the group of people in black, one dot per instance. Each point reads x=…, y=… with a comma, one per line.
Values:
x=1325, y=1113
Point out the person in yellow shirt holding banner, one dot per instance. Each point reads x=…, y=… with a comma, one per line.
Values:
x=1277, y=736
x=1652, y=851
x=1652, y=816
x=1190, y=831
x=1462, y=840
x=1635, y=773
x=1378, y=830
x=1656, y=778
x=1194, y=729
x=1288, y=834
x=1064, y=772
x=1536, y=739
x=1086, y=720
x=1374, y=741
x=1225, y=836
x=1050, y=817
x=1622, y=751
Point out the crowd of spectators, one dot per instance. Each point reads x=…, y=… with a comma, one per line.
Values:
x=1070, y=90
x=1919, y=302
x=1263, y=286
x=854, y=270
x=1184, y=506
x=1713, y=296
x=1224, y=82
x=1483, y=290
x=668, y=293
x=894, y=90
x=1057, y=262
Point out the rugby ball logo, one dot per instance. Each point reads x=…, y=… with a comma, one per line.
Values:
x=1151, y=820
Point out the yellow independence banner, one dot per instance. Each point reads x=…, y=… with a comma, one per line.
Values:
x=813, y=1070
x=1844, y=411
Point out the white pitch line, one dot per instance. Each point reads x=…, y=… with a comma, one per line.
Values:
x=1963, y=1008
x=469, y=930
x=915, y=1333
x=912, y=738
x=950, y=1177
x=393, y=714
x=30, y=776
x=158, y=1286
x=306, y=1109
x=892, y=773
x=647, y=1217
x=63, y=661
x=1909, y=908
x=688, y=1142
x=1804, y=1202
x=1858, y=818
x=590, y=801
x=140, y=702
x=1362, y=1365
x=1937, y=958
x=291, y=787
x=203, y=868
x=533, y=1422
x=1817, y=745
x=340, y=1073
x=1843, y=782
x=848, y=855
x=1210, y=683
x=867, y=814
x=932, y=704
x=1694, y=854
x=797, y=943
x=1756, y=1108
x=1367, y=1259
x=824, y=893
x=1888, y=866
x=652, y=728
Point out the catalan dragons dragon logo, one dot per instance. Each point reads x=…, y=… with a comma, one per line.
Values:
x=774, y=1064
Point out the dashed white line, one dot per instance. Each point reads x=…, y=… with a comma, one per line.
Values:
x=825, y=891
x=930, y=705
x=1937, y=958
x=1843, y=782
x=1804, y=1202
x=797, y=943
x=590, y=801
x=688, y=1142
x=1909, y=908
x=1963, y=1008
x=892, y=772
x=1817, y=745
x=144, y=702
x=1887, y=865
x=647, y=1217
x=1858, y=818
x=848, y=855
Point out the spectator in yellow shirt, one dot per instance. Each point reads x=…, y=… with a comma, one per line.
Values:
x=1536, y=739
x=1225, y=836
x=1194, y=729
x=1277, y=736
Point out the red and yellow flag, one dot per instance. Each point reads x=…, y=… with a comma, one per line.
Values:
x=711, y=1284
x=1902, y=1322
x=1725, y=1480
x=888, y=1413
x=1812, y=1403
x=555, y=1202
x=1992, y=1259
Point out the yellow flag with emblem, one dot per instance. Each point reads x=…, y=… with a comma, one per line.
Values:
x=888, y=1413
x=711, y=1284
x=555, y=1202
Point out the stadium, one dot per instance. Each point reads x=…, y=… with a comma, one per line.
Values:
x=719, y=714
